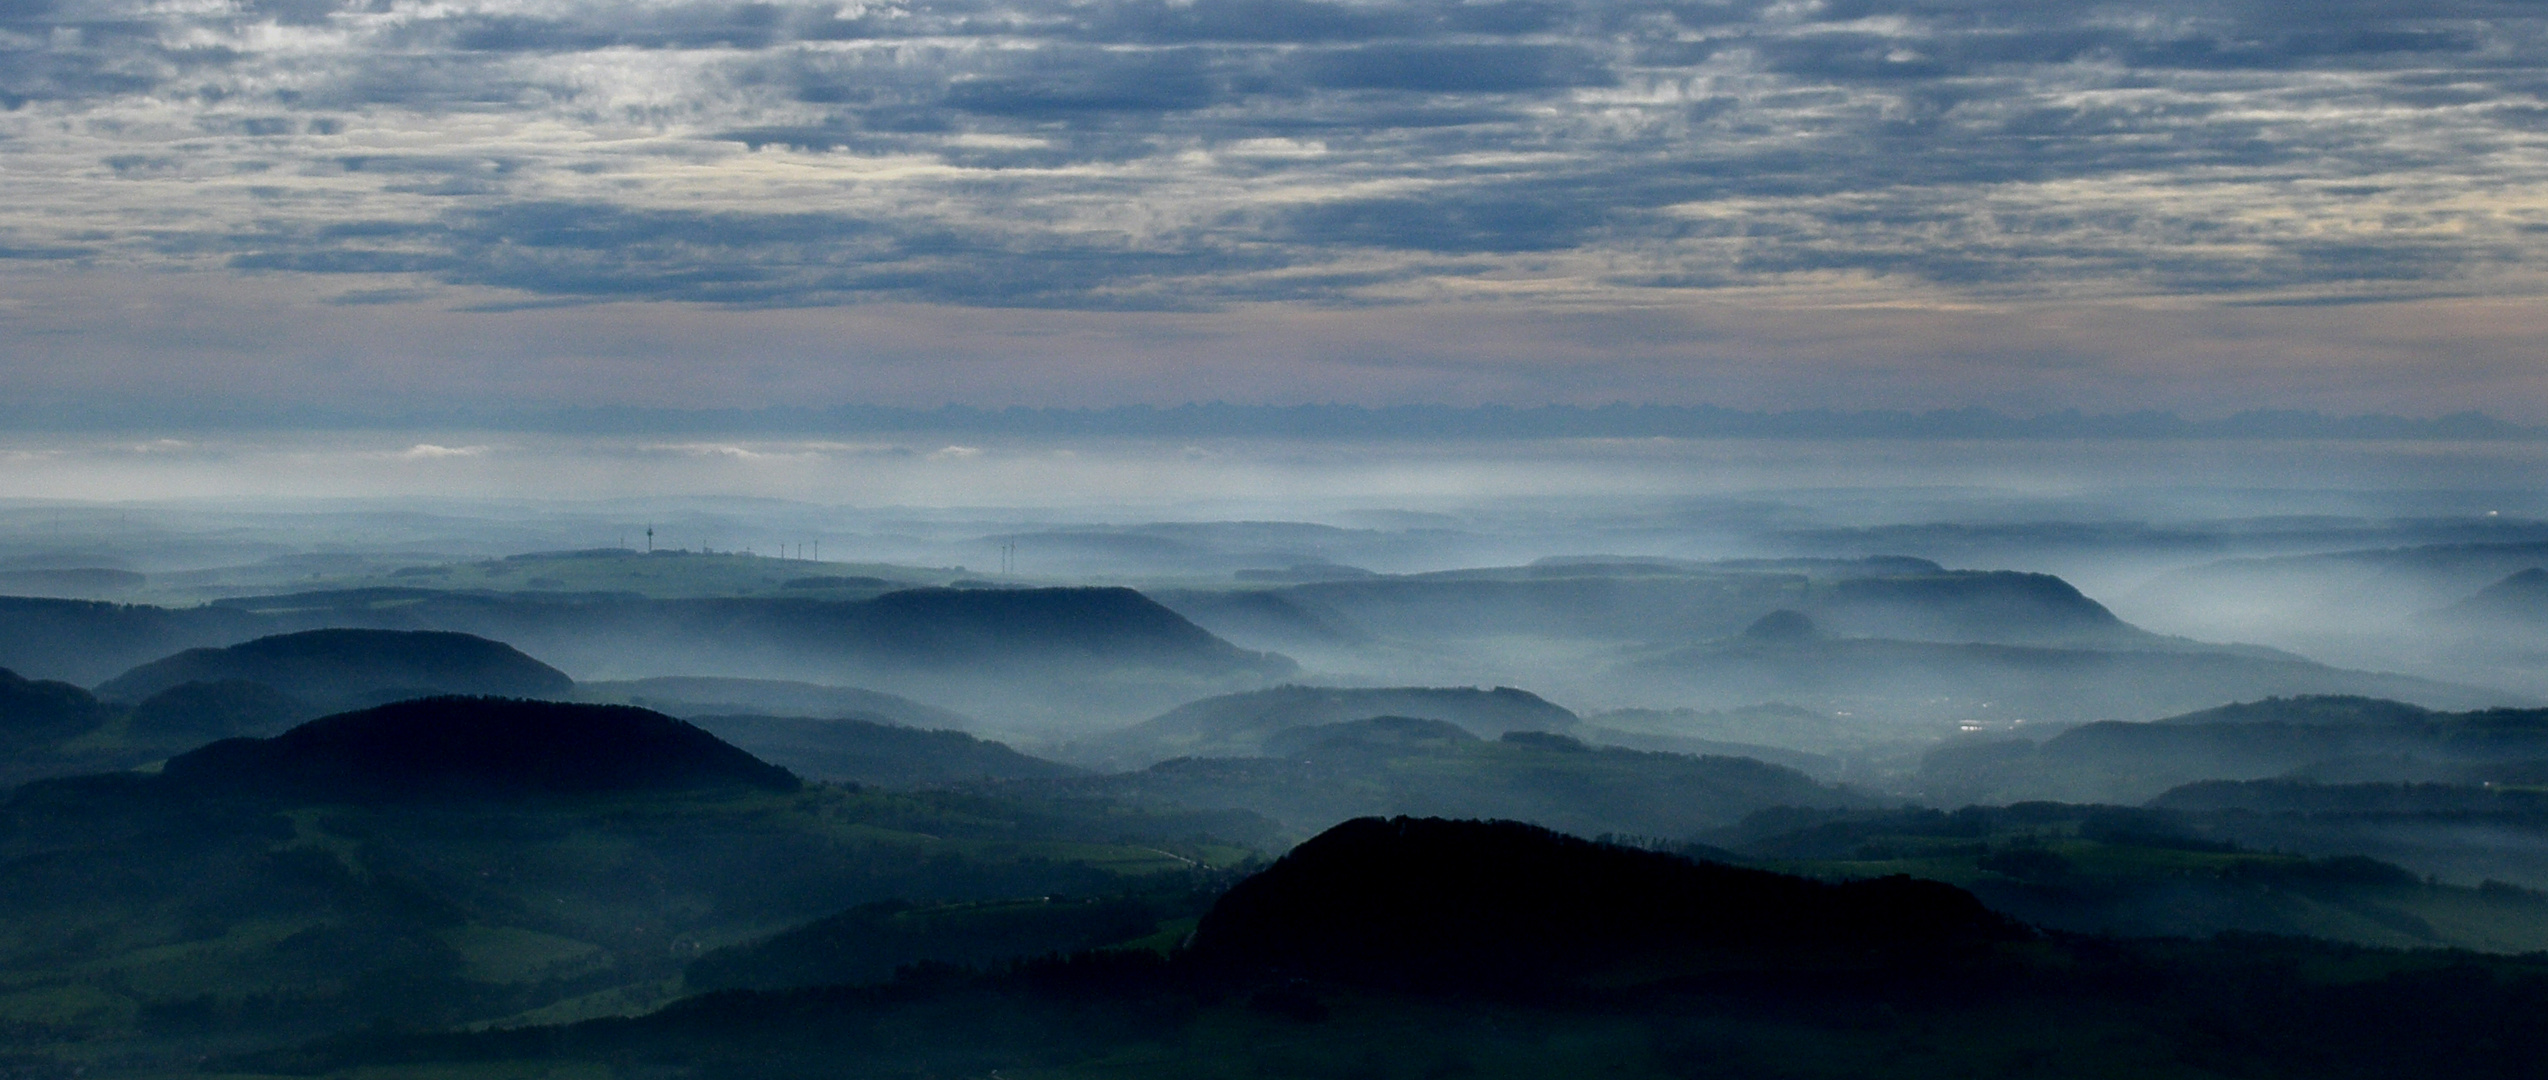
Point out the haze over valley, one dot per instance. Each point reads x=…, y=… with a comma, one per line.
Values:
x=1323, y=539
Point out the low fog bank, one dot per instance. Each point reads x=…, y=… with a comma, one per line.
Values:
x=1899, y=592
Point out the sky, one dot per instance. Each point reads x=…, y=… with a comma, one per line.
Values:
x=2017, y=204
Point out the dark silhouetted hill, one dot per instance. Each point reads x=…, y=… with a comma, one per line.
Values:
x=473, y=747
x=873, y=750
x=38, y=712
x=343, y=667
x=1238, y=725
x=1470, y=905
x=215, y=709
x=2314, y=710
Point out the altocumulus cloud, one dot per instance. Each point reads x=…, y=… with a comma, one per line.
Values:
x=1156, y=155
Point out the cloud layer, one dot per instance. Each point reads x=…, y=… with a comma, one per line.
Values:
x=1136, y=154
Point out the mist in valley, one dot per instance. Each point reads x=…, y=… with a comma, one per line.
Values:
x=837, y=711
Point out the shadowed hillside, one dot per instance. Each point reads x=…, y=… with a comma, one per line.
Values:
x=2180, y=869
x=871, y=750
x=34, y=712
x=459, y=746
x=340, y=668
x=1469, y=904
x=383, y=869
x=216, y=709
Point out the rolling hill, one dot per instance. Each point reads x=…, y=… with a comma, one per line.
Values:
x=472, y=747
x=2339, y=738
x=1239, y=725
x=338, y=668
x=873, y=750
x=1323, y=774
x=1036, y=658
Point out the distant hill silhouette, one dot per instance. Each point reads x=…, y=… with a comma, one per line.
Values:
x=2521, y=599
x=2337, y=737
x=1663, y=601
x=931, y=627
x=473, y=747
x=1319, y=775
x=688, y=696
x=36, y=712
x=88, y=641
x=1468, y=905
x=341, y=667
x=1262, y=615
x=1948, y=679
x=1380, y=734
x=1782, y=625
x=86, y=581
x=216, y=709
x=873, y=750
x=2328, y=710
x=1238, y=725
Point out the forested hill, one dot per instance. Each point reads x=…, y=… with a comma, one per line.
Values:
x=473, y=747
x=975, y=631
x=1428, y=902
x=344, y=667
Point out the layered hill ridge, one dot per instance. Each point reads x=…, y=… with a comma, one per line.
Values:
x=1315, y=776
x=2331, y=738
x=872, y=749
x=88, y=641
x=2520, y=599
x=74, y=639
x=688, y=696
x=1240, y=725
x=1655, y=600
x=474, y=747
x=2039, y=682
x=341, y=667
